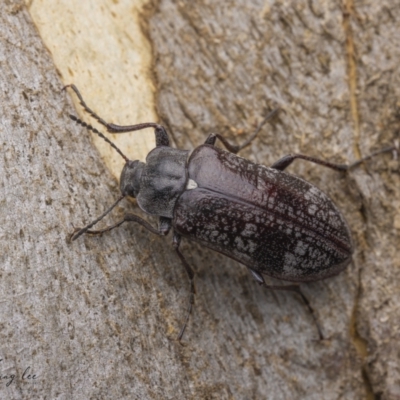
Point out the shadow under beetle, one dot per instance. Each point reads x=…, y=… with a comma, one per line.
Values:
x=273, y=222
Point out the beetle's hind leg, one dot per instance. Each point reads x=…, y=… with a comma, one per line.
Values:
x=234, y=148
x=293, y=288
x=189, y=271
x=285, y=161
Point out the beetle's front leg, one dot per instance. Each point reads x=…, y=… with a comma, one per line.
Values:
x=176, y=242
x=160, y=132
x=293, y=288
x=163, y=229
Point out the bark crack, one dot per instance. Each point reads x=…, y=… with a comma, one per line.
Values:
x=348, y=12
x=361, y=344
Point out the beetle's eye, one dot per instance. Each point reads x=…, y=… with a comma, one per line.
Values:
x=129, y=190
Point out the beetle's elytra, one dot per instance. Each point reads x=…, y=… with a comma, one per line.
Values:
x=273, y=222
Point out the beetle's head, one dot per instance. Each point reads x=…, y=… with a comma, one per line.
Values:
x=130, y=175
x=129, y=182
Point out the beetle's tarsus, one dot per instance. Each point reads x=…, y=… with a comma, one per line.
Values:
x=87, y=227
x=311, y=310
x=235, y=148
x=182, y=331
x=72, y=234
x=176, y=242
x=85, y=106
x=296, y=288
x=285, y=161
x=394, y=149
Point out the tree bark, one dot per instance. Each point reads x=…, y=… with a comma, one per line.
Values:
x=97, y=318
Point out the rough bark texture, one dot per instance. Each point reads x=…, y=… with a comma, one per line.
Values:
x=93, y=319
x=108, y=57
x=332, y=69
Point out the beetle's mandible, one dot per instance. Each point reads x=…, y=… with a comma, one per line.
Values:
x=273, y=222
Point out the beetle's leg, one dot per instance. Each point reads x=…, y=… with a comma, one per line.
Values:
x=293, y=288
x=80, y=231
x=164, y=226
x=160, y=132
x=233, y=148
x=189, y=271
x=84, y=105
x=211, y=139
x=285, y=161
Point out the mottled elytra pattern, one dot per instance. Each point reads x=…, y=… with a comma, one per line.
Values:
x=271, y=221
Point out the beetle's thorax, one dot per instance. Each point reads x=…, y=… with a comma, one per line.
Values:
x=162, y=180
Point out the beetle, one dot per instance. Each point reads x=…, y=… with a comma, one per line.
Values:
x=273, y=222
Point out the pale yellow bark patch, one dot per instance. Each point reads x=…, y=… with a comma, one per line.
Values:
x=99, y=46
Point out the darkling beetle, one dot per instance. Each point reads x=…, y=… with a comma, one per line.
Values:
x=273, y=222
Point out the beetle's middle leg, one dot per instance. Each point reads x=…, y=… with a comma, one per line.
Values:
x=189, y=271
x=234, y=148
x=293, y=288
x=163, y=229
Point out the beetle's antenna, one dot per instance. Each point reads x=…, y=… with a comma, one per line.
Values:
x=91, y=128
x=80, y=232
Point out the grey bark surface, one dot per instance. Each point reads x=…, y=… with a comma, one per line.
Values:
x=95, y=318
x=332, y=69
